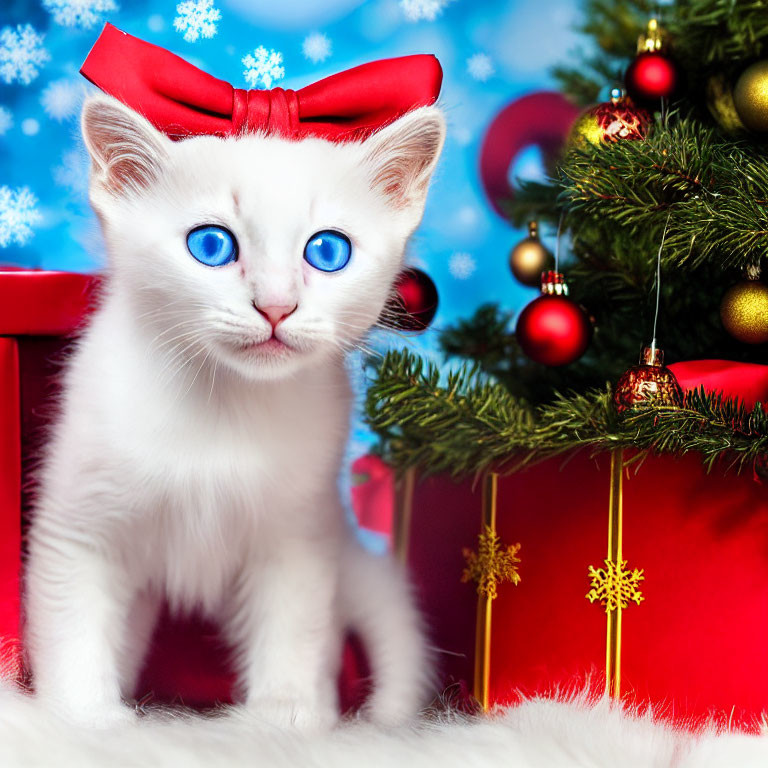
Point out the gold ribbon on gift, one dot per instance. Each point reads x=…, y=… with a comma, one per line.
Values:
x=490, y=565
x=614, y=586
x=401, y=533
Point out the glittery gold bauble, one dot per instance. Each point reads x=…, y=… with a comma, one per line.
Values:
x=529, y=258
x=650, y=380
x=751, y=96
x=586, y=130
x=744, y=311
x=721, y=105
x=613, y=120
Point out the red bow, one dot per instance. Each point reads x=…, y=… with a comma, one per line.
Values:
x=181, y=100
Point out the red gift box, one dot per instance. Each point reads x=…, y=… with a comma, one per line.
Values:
x=38, y=311
x=645, y=580
x=40, y=315
x=691, y=632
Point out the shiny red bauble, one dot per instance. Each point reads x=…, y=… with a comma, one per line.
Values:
x=651, y=76
x=553, y=330
x=651, y=381
x=414, y=305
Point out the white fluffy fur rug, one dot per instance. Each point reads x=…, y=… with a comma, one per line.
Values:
x=541, y=733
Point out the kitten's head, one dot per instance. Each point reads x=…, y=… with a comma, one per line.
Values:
x=256, y=253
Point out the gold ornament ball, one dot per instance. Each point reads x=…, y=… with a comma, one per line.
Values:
x=721, y=105
x=529, y=258
x=586, y=130
x=744, y=312
x=750, y=96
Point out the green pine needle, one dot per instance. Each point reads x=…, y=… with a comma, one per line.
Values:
x=469, y=424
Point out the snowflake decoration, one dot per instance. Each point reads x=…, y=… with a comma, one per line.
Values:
x=614, y=586
x=6, y=120
x=415, y=10
x=316, y=47
x=21, y=54
x=491, y=564
x=263, y=67
x=61, y=99
x=30, y=127
x=480, y=66
x=196, y=19
x=461, y=265
x=79, y=13
x=17, y=215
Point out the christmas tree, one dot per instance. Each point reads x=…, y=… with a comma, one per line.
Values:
x=664, y=189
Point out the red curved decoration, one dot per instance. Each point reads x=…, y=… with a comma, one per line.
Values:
x=543, y=119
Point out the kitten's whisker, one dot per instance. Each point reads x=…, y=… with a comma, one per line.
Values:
x=180, y=369
x=175, y=351
x=194, y=378
x=180, y=353
x=169, y=329
x=160, y=310
x=213, y=379
x=172, y=340
x=349, y=345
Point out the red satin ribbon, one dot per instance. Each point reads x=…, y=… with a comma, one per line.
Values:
x=181, y=100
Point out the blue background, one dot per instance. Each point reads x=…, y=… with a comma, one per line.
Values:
x=521, y=38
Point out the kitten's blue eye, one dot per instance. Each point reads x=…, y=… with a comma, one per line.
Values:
x=328, y=251
x=212, y=245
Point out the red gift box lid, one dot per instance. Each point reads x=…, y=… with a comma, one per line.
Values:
x=42, y=303
x=746, y=381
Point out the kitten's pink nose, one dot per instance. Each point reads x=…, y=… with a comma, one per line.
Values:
x=276, y=313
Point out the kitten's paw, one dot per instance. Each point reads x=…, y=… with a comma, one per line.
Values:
x=287, y=714
x=389, y=712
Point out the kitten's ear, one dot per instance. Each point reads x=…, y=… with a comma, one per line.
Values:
x=126, y=150
x=403, y=155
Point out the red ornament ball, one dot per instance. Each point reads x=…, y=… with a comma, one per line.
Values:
x=651, y=76
x=415, y=302
x=650, y=380
x=611, y=121
x=553, y=330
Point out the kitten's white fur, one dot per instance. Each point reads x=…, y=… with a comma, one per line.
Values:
x=187, y=465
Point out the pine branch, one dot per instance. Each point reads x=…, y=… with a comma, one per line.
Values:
x=725, y=32
x=470, y=424
x=584, y=84
x=717, y=190
x=616, y=199
x=474, y=418
x=485, y=337
x=614, y=26
x=706, y=37
x=533, y=200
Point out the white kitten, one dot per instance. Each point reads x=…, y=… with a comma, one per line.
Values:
x=205, y=413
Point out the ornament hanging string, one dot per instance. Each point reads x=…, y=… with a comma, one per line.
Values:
x=553, y=330
x=650, y=378
x=658, y=282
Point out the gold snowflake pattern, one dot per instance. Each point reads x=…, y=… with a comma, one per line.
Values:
x=614, y=586
x=491, y=564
